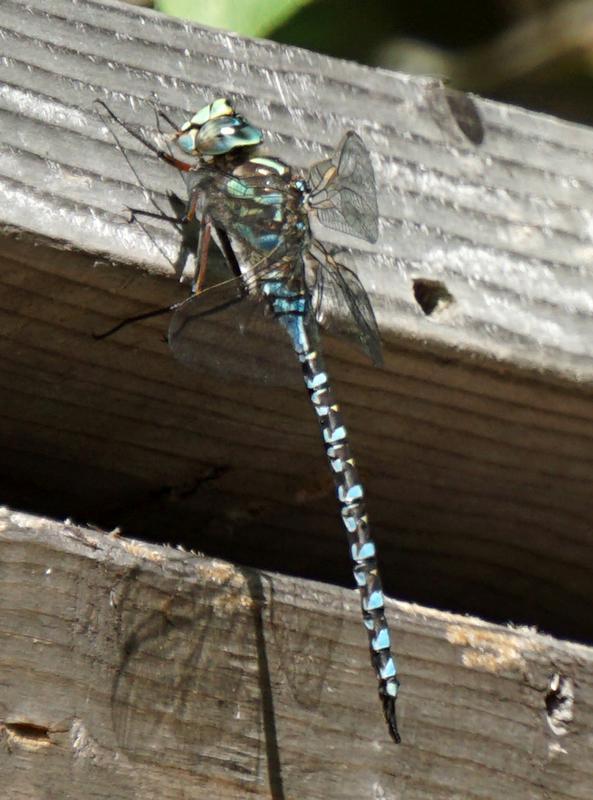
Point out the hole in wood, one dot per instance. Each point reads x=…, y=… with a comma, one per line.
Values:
x=559, y=704
x=28, y=733
x=432, y=296
x=465, y=113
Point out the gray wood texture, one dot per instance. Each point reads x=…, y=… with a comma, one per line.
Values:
x=504, y=222
x=474, y=441
x=129, y=670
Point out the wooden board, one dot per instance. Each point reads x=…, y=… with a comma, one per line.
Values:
x=129, y=670
x=474, y=441
x=492, y=200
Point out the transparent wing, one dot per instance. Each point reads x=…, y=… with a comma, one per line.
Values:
x=224, y=332
x=337, y=286
x=343, y=192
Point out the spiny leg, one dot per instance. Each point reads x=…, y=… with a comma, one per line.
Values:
x=155, y=312
x=183, y=166
x=178, y=221
x=199, y=277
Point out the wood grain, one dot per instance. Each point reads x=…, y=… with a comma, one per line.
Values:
x=493, y=200
x=133, y=670
x=474, y=441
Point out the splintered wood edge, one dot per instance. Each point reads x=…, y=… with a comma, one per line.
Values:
x=485, y=234
x=100, y=614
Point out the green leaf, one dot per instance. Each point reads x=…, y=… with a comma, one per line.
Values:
x=247, y=17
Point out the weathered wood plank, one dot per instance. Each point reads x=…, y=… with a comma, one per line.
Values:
x=502, y=216
x=475, y=439
x=131, y=670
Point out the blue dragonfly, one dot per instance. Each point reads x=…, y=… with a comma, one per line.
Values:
x=257, y=210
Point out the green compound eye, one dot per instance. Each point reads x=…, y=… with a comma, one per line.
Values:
x=219, y=108
x=219, y=135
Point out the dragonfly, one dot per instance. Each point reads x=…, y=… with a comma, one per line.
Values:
x=257, y=209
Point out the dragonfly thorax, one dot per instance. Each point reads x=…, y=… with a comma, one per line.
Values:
x=267, y=211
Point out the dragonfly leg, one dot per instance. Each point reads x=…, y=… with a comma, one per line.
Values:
x=207, y=227
x=204, y=238
x=140, y=212
x=155, y=312
x=162, y=154
x=162, y=115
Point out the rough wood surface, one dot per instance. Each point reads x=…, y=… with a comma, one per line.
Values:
x=475, y=441
x=492, y=200
x=129, y=670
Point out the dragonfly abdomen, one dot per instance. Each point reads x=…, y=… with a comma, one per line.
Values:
x=350, y=494
x=292, y=308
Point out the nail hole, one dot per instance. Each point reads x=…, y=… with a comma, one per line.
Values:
x=432, y=296
x=466, y=115
x=28, y=734
x=559, y=704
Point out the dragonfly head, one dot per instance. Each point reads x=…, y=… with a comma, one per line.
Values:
x=217, y=130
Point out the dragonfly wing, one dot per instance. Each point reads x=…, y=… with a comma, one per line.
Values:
x=336, y=286
x=343, y=192
x=219, y=332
